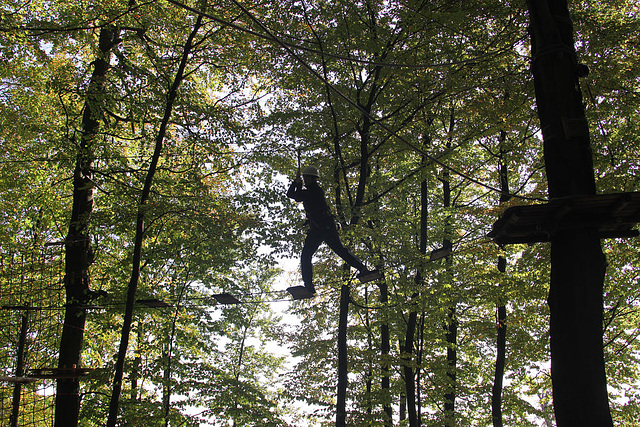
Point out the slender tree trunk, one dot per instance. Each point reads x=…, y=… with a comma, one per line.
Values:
x=418, y=373
x=408, y=371
x=238, y=370
x=17, y=388
x=385, y=342
x=343, y=368
x=167, y=389
x=370, y=361
x=137, y=364
x=496, y=392
x=451, y=336
x=140, y=228
x=409, y=375
x=451, y=324
x=501, y=341
x=385, y=348
x=577, y=262
x=402, y=410
x=369, y=381
x=409, y=343
x=78, y=251
x=166, y=385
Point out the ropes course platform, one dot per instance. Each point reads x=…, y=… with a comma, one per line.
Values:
x=615, y=216
x=48, y=373
x=225, y=298
x=59, y=373
x=300, y=292
x=18, y=380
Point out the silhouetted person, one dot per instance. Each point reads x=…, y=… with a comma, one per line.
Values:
x=322, y=227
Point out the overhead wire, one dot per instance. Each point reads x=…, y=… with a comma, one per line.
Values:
x=420, y=259
x=371, y=117
x=289, y=49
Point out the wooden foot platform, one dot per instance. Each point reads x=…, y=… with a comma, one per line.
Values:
x=59, y=373
x=440, y=253
x=225, y=298
x=18, y=380
x=300, y=292
x=614, y=215
x=369, y=276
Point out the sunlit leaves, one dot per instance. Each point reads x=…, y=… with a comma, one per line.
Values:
x=446, y=78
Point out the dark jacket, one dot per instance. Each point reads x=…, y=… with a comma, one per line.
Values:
x=315, y=205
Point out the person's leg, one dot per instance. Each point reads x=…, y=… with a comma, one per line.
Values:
x=332, y=239
x=311, y=244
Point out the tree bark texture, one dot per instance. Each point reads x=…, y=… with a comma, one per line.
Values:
x=78, y=251
x=577, y=262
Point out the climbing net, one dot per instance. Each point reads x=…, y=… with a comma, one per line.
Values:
x=31, y=295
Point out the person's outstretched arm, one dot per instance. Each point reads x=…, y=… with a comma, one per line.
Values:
x=295, y=189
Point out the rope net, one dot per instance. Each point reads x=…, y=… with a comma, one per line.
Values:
x=31, y=294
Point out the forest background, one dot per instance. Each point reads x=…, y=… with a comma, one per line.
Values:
x=146, y=149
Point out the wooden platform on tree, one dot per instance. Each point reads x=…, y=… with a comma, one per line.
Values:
x=440, y=253
x=58, y=373
x=18, y=380
x=615, y=215
x=369, y=276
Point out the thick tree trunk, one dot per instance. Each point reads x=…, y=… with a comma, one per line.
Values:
x=78, y=251
x=577, y=262
x=577, y=359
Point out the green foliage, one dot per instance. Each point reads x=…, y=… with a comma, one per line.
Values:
x=443, y=123
x=383, y=97
x=196, y=229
